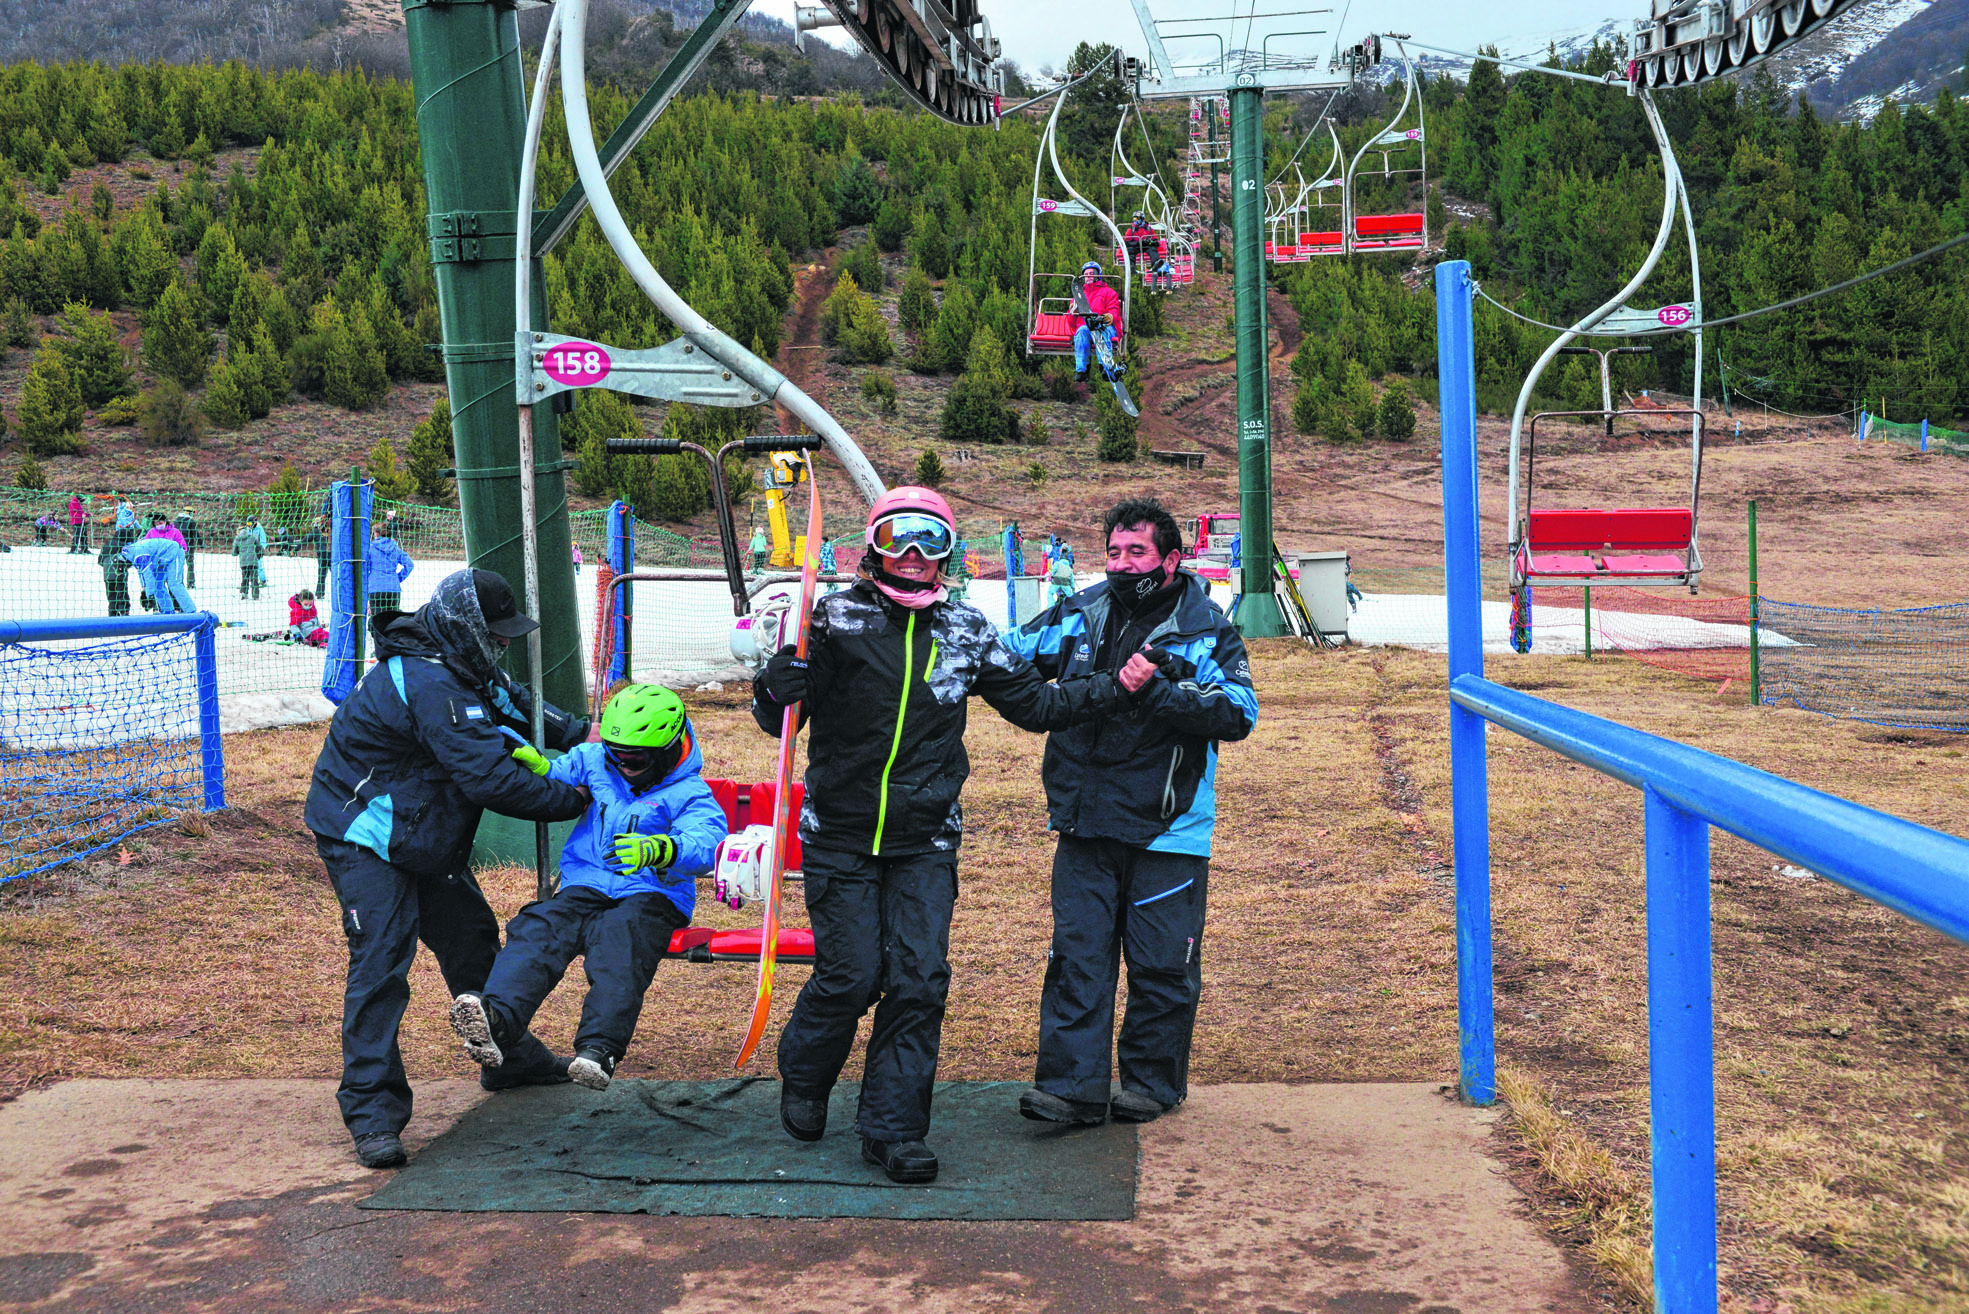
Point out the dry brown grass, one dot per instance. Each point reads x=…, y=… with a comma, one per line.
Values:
x=1842, y=1030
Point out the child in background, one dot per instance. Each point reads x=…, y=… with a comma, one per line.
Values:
x=628, y=879
x=577, y=561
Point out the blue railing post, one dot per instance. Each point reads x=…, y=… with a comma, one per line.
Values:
x=1924, y=433
x=1456, y=368
x=622, y=560
x=1681, y=1059
x=211, y=751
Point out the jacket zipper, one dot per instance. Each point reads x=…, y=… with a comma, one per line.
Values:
x=895, y=744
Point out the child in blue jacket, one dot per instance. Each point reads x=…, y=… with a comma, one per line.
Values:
x=628, y=879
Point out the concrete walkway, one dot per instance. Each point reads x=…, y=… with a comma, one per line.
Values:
x=240, y=1196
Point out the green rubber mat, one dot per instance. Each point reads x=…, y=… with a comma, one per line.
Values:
x=716, y=1148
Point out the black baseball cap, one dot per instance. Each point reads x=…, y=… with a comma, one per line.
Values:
x=501, y=610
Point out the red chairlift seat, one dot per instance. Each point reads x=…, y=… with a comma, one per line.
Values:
x=1052, y=334
x=1329, y=243
x=1594, y=546
x=1388, y=232
x=747, y=805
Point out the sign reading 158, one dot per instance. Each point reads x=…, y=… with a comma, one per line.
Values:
x=577, y=364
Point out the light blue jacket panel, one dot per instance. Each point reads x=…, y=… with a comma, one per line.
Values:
x=681, y=806
x=384, y=566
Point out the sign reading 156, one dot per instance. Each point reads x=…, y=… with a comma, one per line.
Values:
x=577, y=364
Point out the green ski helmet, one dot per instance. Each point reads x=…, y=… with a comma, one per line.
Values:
x=643, y=733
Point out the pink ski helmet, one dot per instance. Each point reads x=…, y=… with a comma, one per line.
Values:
x=904, y=502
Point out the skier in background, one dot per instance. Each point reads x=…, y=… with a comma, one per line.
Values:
x=161, y=562
x=78, y=524
x=384, y=569
x=759, y=547
x=116, y=571
x=890, y=667
x=193, y=539
x=247, y=545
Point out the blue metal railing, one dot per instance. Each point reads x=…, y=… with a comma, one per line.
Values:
x=1912, y=869
x=202, y=625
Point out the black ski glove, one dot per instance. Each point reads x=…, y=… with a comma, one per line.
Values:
x=784, y=681
x=1171, y=665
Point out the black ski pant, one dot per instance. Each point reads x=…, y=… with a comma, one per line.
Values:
x=621, y=940
x=386, y=910
x=1115, y=901
x=249, y=579
x=881, y=941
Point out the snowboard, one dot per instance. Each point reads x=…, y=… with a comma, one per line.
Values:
x=1104, y=352
x=783, y=819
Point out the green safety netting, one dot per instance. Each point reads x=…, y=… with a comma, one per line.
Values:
x=1925, y=437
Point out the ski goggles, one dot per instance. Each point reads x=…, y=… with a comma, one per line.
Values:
x=635, y=762
x=894, y=535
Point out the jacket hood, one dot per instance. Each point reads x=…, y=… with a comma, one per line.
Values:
x=450, y=627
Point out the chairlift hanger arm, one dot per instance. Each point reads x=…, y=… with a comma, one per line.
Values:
x=550, y=228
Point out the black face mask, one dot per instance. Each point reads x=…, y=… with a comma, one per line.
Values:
x=1131, y=591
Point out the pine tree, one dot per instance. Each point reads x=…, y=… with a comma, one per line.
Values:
x=281, y=321
x=224, y=403
x=917, y=308
x=352, y=372
x=28, y=473
x=929, y=469
x=95, y=357
x=51, y=410
x=1397, y=415
x=144, y=258
x=950, y=338
x=19, y=328
x=261, y=373
x=391, y=482
x=176, y=344
x=857, y=191
x=1117, y=440
x=431, y=453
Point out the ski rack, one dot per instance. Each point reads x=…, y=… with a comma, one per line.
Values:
x=1057, y=340
x=1404, y=230
x=1615, y=318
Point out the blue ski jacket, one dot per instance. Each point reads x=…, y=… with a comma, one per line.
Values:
x=161, y=562
x=384, y=566
x=1146, y=773
x=680, y=805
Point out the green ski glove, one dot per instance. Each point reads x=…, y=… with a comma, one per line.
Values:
x=636, y=852
x=529, y=757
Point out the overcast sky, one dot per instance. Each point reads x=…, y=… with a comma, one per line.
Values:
x=1039, y=33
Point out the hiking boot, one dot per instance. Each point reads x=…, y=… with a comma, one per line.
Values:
x=474, y=1026
x=804, y=1119
x=1133, y=1106
x=907, y=1162
x=554, y=1073
x=1080, y=376
x=591, y=1068
x=381, y=1150
x=1042, y=1107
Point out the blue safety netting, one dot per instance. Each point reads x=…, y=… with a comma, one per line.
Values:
x=349, y=508
x=98, y=740
x=1907, y=667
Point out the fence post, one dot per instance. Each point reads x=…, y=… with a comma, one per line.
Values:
x=621, y=560
x=1456, y=367
x=1756, y=673
x=1681, y=1059
x=1924, y=433
x=1587, y=591
x=211, y=750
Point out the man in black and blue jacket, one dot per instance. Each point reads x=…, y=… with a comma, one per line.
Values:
x=1133, y=797
x=413, y=758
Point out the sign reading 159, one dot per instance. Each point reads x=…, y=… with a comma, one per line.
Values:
x=577, y=364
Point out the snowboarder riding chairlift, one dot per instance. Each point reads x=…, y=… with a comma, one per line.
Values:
x=1105, y=304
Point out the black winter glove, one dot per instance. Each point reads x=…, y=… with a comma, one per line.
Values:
x=784, y=681
x=1171, y=665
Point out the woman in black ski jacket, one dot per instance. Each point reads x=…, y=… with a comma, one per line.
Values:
x=891, y=664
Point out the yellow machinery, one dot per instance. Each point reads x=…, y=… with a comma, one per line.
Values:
x=785, y=472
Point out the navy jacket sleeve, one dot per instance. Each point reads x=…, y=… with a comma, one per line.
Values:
x=770, y=715
x=512, y=705
x=478, y=758
x=1017, y=691
x=1217, y=702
